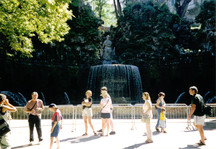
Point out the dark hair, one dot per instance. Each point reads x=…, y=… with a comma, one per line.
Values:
x=194, y=88
x=1, y=98
x=161, y=94
x=53, y=105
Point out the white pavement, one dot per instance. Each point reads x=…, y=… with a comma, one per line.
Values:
x=127, y=136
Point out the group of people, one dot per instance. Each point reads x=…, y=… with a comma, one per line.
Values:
x=106, y=112
x=34, y=108
x=197, y=109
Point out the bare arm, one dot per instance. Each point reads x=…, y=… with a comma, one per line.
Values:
x=55, y=122
x=8, y=107
x=157, y=104
x=192, y=109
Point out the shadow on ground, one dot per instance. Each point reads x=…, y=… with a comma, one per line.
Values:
x=80, y=139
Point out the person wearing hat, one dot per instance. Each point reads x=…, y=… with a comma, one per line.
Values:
x=56, y=124
x=34, y=107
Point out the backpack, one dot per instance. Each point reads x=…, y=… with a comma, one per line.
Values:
x=207, y=110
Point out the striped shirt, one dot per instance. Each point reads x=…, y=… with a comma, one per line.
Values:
x=31, y=104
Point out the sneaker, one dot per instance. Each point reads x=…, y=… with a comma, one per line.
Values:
x=85, y=134
x=99, y=130
x=112, y=133
x=30, y=143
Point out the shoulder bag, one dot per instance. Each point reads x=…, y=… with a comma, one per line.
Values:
x=4, y=127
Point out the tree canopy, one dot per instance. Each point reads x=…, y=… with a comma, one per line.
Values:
x=145, y=31
x=20, y=20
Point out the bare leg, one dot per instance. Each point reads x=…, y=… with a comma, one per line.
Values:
x=90, y=123
x=86, y=126
x=111, y=124
x=57, y=141
x=103, y=125
x=201, y=131
x=107, y=123
x=51, y=142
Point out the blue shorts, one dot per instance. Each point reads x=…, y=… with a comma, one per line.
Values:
x=105, y=115
x=56, y=130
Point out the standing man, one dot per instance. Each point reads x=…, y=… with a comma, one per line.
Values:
x=197, y=109
x=34, y=107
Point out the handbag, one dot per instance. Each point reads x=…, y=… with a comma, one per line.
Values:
x=4, y=127
x=156, y=107
x=145, y=118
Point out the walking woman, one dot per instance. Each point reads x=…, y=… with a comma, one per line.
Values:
x=56, y=124
x=159, y=105
x=87, y=112
x=4, y=107
x=147, y=111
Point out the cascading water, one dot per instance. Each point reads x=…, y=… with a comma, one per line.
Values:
x=123, y=82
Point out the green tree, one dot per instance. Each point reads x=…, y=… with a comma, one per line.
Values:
x=20, y=20
x=207, y=19
x=144, y=33
x=82, y=44
x=104, y=10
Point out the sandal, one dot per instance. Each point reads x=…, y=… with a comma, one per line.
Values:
x=201, y=143
x=157, y=130
x=85, y=134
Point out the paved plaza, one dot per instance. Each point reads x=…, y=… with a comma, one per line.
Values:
x=129, y=135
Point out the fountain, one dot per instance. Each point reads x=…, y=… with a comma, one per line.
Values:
x=179, y=97
x=15, y=98
x=123, y=81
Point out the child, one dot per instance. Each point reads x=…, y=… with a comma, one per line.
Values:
x=56, y=124
x=162, y=123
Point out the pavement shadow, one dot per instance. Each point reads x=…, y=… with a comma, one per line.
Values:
x=135, y=146
x=24, y=146
x=191, y=146
x=80, y=139
x=211, y=125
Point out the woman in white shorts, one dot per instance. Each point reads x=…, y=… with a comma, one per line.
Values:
x=87, y=112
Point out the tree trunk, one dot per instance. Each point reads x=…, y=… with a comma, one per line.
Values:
x=119, y=8
x=181, y=9
x=116, y=11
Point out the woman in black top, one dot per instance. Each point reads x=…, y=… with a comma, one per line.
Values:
x=87, y=112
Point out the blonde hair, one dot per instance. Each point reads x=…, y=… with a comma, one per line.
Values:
x=147, y=95
x=2, y=97
x=34, y=93
x=88, y=91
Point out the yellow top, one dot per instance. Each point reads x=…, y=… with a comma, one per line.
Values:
x=162, y=116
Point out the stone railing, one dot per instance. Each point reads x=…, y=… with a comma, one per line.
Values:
x=121, y=111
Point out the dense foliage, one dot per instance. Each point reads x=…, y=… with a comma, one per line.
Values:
x=145, y=31
x=20, y=20
x=81, y=45
x=207, y=19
